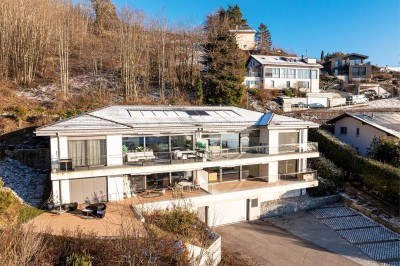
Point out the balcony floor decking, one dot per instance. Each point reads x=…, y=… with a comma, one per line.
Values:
x=217, y=188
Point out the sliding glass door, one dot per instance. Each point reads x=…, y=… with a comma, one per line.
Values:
x=87, y=152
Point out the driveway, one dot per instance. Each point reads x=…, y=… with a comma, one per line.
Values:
x=267, y=244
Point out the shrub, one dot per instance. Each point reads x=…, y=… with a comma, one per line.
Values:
x=378, y=179
x=76, y=259
x=27, y=212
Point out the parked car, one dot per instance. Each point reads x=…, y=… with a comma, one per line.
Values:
x=370, y=93
x=356, y=99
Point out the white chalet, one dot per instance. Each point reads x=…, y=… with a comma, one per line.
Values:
x=231, y=158
x=282, y=72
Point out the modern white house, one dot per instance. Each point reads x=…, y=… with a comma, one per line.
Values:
x=282, y=72
x=359, y=129
x=234, y=158
x=245, y=38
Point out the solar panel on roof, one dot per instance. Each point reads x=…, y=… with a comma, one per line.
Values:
x=202, y=112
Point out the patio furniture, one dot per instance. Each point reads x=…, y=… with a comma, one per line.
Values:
x=96, y=209
x=186, y=184
x=73, y=206
x=139, y=156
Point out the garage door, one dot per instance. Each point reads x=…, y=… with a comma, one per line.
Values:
x=227, y=212
x=88, y=189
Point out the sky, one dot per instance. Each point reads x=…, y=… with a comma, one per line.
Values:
x=305, y=27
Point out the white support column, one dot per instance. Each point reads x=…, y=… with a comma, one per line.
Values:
x=273, y=172
x=273, y=142
x=63, y=147
x=65, y=193
x=114, y=150
x=115, y=188
x=56, y=191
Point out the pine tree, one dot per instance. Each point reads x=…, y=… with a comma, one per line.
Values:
x=199, y=89
x=263, y=37
x=224, y=65
x=322, y=56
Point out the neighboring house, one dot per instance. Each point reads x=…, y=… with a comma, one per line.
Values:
x=245, y=38
x=281, y=72
x=237, y=158
x=359, y=129
x=349, y=67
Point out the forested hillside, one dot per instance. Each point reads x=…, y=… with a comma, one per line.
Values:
x=60, y=58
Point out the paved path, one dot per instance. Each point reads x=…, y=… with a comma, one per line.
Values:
x=344, y=231
x=270, y=245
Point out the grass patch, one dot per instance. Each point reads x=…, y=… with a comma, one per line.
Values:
x=27, y=213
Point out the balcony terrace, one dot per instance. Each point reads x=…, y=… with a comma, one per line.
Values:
x=187, y=158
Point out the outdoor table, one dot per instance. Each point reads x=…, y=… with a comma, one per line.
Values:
x=186, y=184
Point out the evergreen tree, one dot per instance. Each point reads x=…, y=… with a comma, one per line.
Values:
x=235, y=17
x=263, y=37
x=224, y=65
x=322, y=56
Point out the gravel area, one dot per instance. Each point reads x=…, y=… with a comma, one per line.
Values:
x=368, y=235
x=382, y=251
x=333, y=212
x=351, y=222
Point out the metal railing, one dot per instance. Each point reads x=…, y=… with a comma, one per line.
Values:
x=177, y=157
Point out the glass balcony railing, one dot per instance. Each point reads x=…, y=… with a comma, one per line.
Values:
x=144, y=158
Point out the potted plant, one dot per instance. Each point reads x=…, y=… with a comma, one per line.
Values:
x=200, y=145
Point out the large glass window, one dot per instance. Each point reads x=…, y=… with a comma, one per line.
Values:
x=132, y=143
x=303, y=73
x=288, y=141
x=288, y=73
x=250, y=140
x=230, y=173
x=230, y=141
x=158, y=180
x=275, y=72
x=176, y=177
x=287, y=169
x=292, y=73
x=314, y=74
x=250, y=171
x=359, y=71
x=268, y=72
x=181, y=143
x=87, y=152
x=158, y=144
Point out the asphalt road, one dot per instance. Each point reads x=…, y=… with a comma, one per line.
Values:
x=266, y=244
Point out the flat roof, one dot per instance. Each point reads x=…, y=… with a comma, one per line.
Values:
x=163, y=118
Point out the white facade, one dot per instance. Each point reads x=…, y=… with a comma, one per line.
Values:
x=359, y=132
x=276, y=72
x=241, y=146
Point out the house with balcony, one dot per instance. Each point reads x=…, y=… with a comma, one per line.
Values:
x=233, y=158
x=282, y=72
x=349, y=67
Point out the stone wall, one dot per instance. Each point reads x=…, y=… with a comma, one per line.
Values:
x=35, y=158
x=294, y=204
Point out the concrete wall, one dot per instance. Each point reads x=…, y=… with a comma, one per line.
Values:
x=361, y=142
x=210, y=256
x=294, y=204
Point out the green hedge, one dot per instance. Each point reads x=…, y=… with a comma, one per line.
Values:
x=376, y=178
